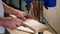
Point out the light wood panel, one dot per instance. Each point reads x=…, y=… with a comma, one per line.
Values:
x=52, y=15
x=17, y=32
x=25, y=29
x=34, y=25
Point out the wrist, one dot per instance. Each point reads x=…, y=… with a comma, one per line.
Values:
x=1, y=21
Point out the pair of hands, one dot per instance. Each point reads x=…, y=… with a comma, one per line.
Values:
x=13, y=23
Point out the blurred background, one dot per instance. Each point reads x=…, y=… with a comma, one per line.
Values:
x=42, y=12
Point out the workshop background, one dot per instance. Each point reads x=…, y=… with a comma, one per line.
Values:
x=51, y=15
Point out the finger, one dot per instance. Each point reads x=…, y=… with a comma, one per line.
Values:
x=14, y=27
x=22, y=17
x=29, y=16
x=11, y=28
x=19, y=22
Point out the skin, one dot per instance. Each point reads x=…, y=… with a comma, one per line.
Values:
x=17, y=13
x=10, y=22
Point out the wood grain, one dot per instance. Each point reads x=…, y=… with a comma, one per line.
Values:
x=17, y=32
x=34, y=25
x=25, y=29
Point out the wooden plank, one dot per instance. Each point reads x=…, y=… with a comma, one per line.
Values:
x=34, y=25
x=21, y=29
x=25, y=29
x=17, y=32
x=36, y=33
x=47, y=32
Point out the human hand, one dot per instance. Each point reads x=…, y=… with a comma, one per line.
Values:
x=12, y=23
x=22, y=15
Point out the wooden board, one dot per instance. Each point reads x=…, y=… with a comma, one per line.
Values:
x=25, y=29
x=17, y=32
x=21, y=29
x=34, y=25
x=47, y=32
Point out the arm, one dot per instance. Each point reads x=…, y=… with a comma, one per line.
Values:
x=9, y=9
x=10, y=22
x=1, y=22
x=17, y=13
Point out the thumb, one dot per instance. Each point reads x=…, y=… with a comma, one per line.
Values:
x=22, y=17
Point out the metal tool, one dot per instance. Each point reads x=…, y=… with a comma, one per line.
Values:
x=28, y=4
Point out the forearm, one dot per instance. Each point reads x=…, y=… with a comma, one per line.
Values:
x=9, y=9
x=4, y=20
x=1, y=21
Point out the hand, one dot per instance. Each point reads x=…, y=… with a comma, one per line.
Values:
x=22, y=15
x=12, y=23
x=19, y=14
